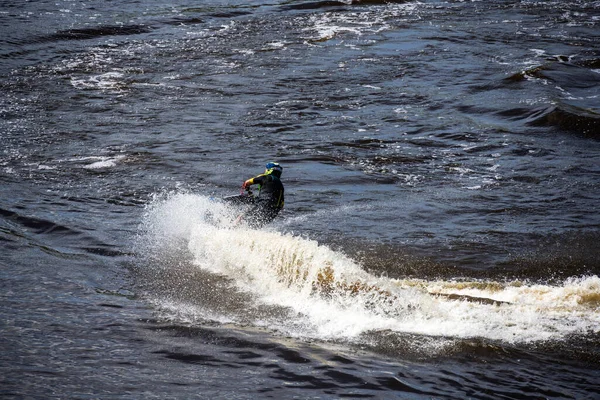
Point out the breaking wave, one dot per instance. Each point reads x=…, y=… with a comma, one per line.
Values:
x=327, y=295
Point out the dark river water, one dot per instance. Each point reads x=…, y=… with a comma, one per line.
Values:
x=440, y=238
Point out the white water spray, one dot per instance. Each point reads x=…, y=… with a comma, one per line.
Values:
x=331, y=297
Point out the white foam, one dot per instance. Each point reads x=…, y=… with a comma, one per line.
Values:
x=330, y=296
x=275, y=45
x=110, y=80
x=103, y=162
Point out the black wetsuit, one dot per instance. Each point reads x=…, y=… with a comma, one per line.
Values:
x=269, y=201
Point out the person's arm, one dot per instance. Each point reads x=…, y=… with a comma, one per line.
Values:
x=257, y=180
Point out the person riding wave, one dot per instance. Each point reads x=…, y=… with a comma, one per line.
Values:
x=270, y=198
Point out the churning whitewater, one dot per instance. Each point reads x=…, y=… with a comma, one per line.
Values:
x=329, y=296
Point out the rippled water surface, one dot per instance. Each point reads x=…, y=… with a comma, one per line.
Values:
x=440, y=235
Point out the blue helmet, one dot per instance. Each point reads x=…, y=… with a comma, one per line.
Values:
x=273, y=168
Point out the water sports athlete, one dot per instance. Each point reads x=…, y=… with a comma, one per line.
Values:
x=270, y=198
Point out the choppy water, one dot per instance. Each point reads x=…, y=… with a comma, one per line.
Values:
x=442, y=171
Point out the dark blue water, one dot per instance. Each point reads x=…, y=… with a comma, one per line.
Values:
x=440, y=235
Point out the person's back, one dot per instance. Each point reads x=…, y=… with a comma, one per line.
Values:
x=270, y=199
x=272, y=190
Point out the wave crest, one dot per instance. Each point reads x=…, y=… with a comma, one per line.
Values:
x=329, y=296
